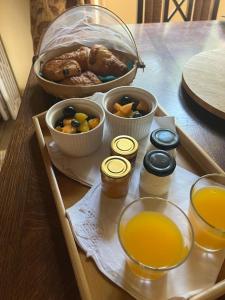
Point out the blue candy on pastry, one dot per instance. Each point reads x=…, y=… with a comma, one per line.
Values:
x=107, y=78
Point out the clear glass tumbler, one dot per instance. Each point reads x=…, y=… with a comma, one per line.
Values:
x=207, y=212
x=155, y=235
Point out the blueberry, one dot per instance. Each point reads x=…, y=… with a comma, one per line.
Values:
x=143, y=112
x=137, y=114
x=75, y=123
x=59, y=123
x=135, y=104
x=69, y=112
x=90, y=117
x=125, y=100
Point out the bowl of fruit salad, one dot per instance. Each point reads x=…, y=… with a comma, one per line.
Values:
x=130, y=111
x=76, y=126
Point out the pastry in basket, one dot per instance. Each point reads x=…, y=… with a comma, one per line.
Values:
x=86, y=78
x=103, y=62
x=57, y=70
x=81, y=55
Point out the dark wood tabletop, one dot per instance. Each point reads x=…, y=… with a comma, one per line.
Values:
x=34, y=261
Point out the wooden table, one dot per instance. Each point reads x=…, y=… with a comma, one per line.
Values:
x=34, y=262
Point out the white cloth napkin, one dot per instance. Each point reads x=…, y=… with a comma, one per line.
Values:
x=94, y=222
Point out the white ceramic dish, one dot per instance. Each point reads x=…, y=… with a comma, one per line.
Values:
x=135, y=127
x=80, y=144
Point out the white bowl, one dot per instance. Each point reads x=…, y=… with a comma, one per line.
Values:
x=135, y=127
x=80, y=144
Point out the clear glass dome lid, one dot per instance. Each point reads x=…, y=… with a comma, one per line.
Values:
x=88, y=25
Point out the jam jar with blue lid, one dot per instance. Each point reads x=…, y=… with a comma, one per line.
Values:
x=156, y=173
x=164, y=139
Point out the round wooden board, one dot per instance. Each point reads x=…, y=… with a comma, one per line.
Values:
x=204, y=80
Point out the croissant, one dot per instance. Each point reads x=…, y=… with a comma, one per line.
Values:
x=86, y=78
x=81, y=55
x=104, y=62
x=98, y=60
x=57, y=69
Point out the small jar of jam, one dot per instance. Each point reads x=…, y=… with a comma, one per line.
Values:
x=125, y=146
x=155, y=178
x=115, y=175
x=164, y=139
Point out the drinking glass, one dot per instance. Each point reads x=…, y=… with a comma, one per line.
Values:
x=157, y=237
x=207, y=211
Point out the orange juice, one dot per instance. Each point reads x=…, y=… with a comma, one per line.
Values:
x=209, y=202
x=153, y=239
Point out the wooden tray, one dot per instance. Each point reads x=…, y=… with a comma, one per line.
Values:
x=92, y=284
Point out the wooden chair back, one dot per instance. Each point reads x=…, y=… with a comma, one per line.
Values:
x=205, y=10
x=150, y=11
x=70, y=3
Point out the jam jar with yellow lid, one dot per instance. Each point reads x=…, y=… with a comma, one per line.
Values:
x=115, y=175
x=125, y=146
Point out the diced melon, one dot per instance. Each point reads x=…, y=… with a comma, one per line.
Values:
x=142, y=105
x=84, y=126
x=69, y=129
x=93, y=123
x=67, y=121
x=119, y=114
x=81, y=117
x=126, y=109
x=117, y=106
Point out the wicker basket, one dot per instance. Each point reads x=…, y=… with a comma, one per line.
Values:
x=49, y=48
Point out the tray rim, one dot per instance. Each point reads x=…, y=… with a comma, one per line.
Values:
x=195, y=151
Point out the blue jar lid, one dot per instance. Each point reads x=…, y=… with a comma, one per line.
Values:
x=164, y=139
x=159, y=163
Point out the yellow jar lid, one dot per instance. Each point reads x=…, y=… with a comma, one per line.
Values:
x=115, y=167
x=124, y=145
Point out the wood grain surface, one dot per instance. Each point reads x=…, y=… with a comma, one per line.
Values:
x=204, y=80
x=34, y=262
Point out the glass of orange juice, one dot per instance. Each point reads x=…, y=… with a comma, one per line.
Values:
x=155, y=235
x=207, y=211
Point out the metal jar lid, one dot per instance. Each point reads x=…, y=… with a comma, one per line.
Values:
x=159, y=163
x=115, y=167
x=164, y=139
x=124, y=145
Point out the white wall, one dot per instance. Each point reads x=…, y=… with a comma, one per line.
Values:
x=125, y=9
x=15, y=33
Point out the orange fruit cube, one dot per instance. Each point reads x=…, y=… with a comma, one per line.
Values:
x=117, y=106
x=143, y=106
x=69, y=129
x=126, y=109
x=119, y=114
x=84, y=127
x=67, y=121
x=93, y=123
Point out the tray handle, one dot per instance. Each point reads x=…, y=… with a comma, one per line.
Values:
x=73, y=251
x=212, y=293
